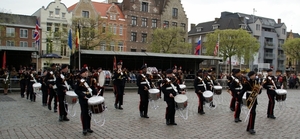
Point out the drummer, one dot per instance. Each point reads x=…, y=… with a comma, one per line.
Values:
x=144, y=84
x=83, y=95
x=169, y=94
x=210, y=81
x=268, y=84
x=61, y=92
x=200, y=87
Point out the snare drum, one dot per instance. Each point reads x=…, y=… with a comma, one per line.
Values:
x=153, y=94
x=96, y=104
x=280, y=94
x=71, y=97
x=36, y=87
x=208, y=95
x=181, y=101
x=218, y=90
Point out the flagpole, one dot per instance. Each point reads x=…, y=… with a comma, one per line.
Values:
x=218, y=45
x=37, y=60
x=79, y=57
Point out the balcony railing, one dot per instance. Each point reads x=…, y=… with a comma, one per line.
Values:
x=269, y=55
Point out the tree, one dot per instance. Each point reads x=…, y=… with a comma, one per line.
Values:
x=292, y=48
x=92, y=32
x=232, y=43
x=169, y=40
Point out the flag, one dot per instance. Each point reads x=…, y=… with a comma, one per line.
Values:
x=198, y=47
x=115, y=63
x=37, y=33
x=70, y=39
x=77, y=40
x=216, y=49
x=4, y=60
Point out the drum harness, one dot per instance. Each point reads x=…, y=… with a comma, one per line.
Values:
x=202, y=82
x=6, y=79
x=34, y=80
x=53, y=80
x=146, y=80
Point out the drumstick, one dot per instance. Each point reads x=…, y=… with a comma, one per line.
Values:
x=99, y=92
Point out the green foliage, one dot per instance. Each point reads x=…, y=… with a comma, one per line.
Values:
x=92, y=32
x=292, y=48
x=169, y=40
x=232, y=43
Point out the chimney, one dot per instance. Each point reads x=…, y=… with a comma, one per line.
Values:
x=216, y=19
x=278, y=21
x=192, y=26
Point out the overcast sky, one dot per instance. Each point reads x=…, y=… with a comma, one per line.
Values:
x=197, y=10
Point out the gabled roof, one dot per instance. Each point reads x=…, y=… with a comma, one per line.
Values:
x=16, y=19
x=295, y=35
x=101, y=8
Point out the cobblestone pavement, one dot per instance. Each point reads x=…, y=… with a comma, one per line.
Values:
x=21, y=118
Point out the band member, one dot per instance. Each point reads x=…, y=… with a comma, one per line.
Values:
x=180, y=76
x=161, y=77
x=269, y=85
x=251, y=87
x=169, y=94
x=62, y=88
x=100, y=88
x=144, y=84
x=31, y=80
x=84, y=92
x=50, y=80
x=200, y=87
x=119, y=85
x=210, y=82
x=6, y=81
x=229, y=80
x=44, y=88
x=93, y=80
x=236, y=88
x=22, y=82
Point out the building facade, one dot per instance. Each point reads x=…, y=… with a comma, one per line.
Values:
x=55, y=21
x=292, y=65
x=111, y=20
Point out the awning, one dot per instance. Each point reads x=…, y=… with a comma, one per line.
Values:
x=17, y=48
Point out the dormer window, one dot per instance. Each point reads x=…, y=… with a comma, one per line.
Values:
x=113, y=17
x=199, y=29
x=243, y=26
x=215, y=27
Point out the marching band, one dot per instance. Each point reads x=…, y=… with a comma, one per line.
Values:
x=55, y=83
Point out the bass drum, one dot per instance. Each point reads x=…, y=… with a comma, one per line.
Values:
x=101, y=79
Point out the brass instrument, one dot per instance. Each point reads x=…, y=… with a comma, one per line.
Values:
x=255, y=91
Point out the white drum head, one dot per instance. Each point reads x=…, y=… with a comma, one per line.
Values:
x=180, y=98
x=182, y=86
x=153, y=91
x=101, y=78
x=37, y=85
x=281, y=91
x=95, y=100
x=207, y=94
x=217, y=87
x=71, y=93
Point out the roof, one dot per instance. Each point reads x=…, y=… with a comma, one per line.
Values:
x=264, y=20
x=147, y=54
x=295, y=35
x=101, y=8
x=16, y=19
x=16, y=48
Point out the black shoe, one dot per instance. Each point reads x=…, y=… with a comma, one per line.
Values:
x=237, y=120
x=84, y=132
x=202, y=112
x=116, y=106
x=167, y=122
x=271, y=116
x=120, y=108
x=66, y=118
x=55, y=110
x=146, y=116
x=212, y=105
x=49, y=107
x=90, y=130
x=252, y=131
x=232, y=109
x=173, y=124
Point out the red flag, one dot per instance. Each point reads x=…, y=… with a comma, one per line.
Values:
x=4, y=60
x=115, y=63
x=216, y=49
x=198, y=47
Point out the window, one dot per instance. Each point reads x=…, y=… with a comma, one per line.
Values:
x=212, y=62
x=166, y=24
x=10, y=32
x=33, y=44
x=183, y=26
x=133, y=20
x=132, y=50
x=121, y=30
x=175, y=13
x=199, y=29
x=112, y=46
x=102, y=46
x=32, y=34
x=23, y=33
x=56, y=30
x=133, y=36
x=63, y=48
x=103, y=27
x=120, y=46
x=154, y=23
x=57, y=11
x=215, y=26
x=63, y=15
x=258, y=27
x=174, y=24
x=85, y=14
x=144, y=37
x=283, y=31
x=49, y=26
x=145, y=6
x=112, y=17
x=65, y=27
x=10, y=43
x=50, y=13
x=144, y=22
x=115, y=29
x=23, y=44
x=243, y=26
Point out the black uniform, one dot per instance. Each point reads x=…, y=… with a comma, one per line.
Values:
x=83, y=95
x=44, y=91
x=119, y=85
x=210, y=82
x=51, y=80
x=271, y=95
x=61, y=93
x=143, y=87
x=167, y=90
x=236, y=88
x=30, y=82
x=199, y=86
x=22, y=83
x=247, y=88
x=233, y=101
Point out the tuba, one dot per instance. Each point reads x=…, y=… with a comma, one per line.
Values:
x=251, y=99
